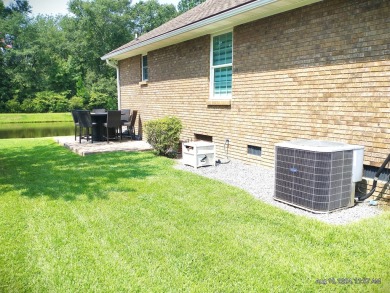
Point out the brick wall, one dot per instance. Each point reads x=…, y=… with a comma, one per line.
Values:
x=318, y=72
x=177, y=85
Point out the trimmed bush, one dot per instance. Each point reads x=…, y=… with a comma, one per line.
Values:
x=27, y=106
x=76, y=103
x=49, y=101
x=164, y=134
x=13, y=106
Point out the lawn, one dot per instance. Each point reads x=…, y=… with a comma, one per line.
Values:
x=130, y=222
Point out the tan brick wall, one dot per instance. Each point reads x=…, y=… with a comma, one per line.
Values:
x=317, y=72
x=177, y=85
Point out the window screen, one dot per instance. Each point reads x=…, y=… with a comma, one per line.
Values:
x=221, y=66
x=145, y=67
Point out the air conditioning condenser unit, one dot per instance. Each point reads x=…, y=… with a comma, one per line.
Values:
x=317, y=175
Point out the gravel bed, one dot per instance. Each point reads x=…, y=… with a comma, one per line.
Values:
x=259, y=181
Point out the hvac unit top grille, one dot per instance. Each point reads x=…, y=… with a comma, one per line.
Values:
x=315, y=175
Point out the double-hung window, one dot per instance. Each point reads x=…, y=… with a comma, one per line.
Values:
x=221, y=66
x=145, y=68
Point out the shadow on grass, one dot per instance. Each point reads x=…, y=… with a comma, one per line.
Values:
x=50, y=170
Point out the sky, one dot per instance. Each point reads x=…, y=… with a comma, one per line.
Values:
x=54, y=7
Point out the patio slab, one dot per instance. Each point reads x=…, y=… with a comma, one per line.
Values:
x=86, y=148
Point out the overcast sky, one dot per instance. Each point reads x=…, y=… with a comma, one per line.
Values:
x=54, y=7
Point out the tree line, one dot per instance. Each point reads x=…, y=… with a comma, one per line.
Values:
x=52, y=63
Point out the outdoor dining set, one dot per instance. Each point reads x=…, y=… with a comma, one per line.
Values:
x=100, y=124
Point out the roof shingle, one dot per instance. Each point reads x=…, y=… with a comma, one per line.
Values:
x=203, y=11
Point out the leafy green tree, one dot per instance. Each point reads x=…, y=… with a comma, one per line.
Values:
x=102, y=91
x=96, y=28
x=12, y=21
x=56, y=67
x=185, y=5
x=81, y=90
x=5, y=82
x=18, y=6
x=45, y=60
x=147, y=15
x=37, y=62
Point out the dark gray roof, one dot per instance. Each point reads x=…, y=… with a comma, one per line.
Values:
x=203, y=11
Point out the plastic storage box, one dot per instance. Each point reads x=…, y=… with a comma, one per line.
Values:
x=199, y=153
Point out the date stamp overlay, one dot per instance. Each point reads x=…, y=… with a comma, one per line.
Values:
x=348, y=281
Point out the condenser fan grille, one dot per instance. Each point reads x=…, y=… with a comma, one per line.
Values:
x=317, y=181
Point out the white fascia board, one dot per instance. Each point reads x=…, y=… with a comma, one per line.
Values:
x=291, y=4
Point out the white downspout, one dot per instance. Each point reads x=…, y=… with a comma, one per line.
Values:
x=114, y=64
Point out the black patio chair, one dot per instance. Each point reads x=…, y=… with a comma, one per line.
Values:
x=85, y=121
x=113, y=122
x=125, y=115
x=76, y=122
x=125, y=118
x=131, y=123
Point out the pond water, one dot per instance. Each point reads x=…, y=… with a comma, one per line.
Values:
x=31, y=130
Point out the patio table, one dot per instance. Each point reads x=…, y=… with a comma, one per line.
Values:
x=100, y=119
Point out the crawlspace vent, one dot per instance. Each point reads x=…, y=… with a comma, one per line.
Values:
x=316, y=181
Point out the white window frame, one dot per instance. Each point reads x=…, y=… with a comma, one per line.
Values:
x=213, y=67
x=142, y=67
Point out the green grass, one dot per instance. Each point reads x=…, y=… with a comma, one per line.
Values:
x=130, y=222
x=34, y=117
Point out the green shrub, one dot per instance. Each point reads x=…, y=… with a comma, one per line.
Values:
x=102, y=92
x=102, y=100
x=27, y=106
x=13, y=106
x=164, y=134
x=76, y=103
x=49, y=101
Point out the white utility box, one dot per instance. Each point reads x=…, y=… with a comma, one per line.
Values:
x=199, y=154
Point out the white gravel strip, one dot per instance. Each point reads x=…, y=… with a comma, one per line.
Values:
x=259, y=181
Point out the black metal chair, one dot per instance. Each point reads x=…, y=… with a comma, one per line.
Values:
x=113, y=121
x=76, y=122
x=125, y=118
x=125, y=115
x=102, y=110
x=85, y=121
x=131, y=123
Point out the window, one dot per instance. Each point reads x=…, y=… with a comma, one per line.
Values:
x=221, y=66
x=370, y=171
x=145, y=74
x=203, y=137
x=254, y=150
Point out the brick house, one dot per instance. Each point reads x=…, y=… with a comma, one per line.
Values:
x=265, y=71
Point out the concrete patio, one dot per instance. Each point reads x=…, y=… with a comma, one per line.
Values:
x=86, y=148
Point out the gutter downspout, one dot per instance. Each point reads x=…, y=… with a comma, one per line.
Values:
x=114, y=64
